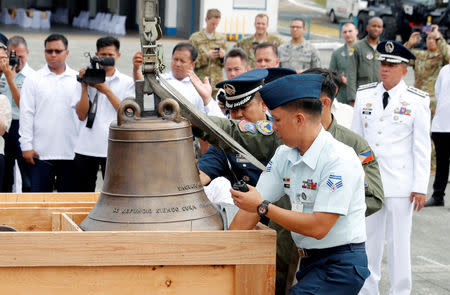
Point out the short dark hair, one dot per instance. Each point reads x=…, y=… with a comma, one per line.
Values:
x=108, y=41
x=311, y=106
x=237, y=52
x=349, y=23
x=57, y=37
x=15, y=41
x=300, y=20
x=329, y=83
x=266, y=45
x=186, y=46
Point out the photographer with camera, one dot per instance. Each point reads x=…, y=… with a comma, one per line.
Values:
x=428, y=61
x=15, y=69
x=103, y=88
x=48, y=125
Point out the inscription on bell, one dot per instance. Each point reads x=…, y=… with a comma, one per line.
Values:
x=186, y=187
x=165, y=210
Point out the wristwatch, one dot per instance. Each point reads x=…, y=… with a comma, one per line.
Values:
x=263, y=208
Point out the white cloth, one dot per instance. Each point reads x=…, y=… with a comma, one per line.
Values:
x=48, y=124
x=218, y=191
x=94, y=141
x=394, y=220
x=343, y=113
x=327, y=178
x=5, y=117
x=399, y=135
x=441, y=119
x=186, y=88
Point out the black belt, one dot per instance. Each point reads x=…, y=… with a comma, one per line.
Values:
x=304, y=253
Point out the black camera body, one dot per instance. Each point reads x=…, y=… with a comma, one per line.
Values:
x=13, y=59
x=95, y=73
x=240, y=186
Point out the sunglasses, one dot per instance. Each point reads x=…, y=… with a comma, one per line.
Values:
x=57, y=51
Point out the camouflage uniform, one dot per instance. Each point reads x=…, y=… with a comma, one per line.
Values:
x=362, y=67
x=338, y=63
x=263, y=148
x=428, y=64
x=204, y=65
x=301, y=56
x=249, y=44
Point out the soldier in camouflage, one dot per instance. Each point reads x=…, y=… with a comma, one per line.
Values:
x=363, y=66
x=261, y=35
x=211, y=47
x=428, y=62
x=299, y=54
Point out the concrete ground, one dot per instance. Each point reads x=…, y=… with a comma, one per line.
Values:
x=431, y=226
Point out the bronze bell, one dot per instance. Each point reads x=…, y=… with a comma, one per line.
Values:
x=151, y=179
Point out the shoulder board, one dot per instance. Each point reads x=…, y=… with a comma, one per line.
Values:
x=417, y=91
x=368, y=86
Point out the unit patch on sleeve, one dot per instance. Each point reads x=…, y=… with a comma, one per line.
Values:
x=246, y=126
x=264, y=127
x=334, y=182
x=366, y=157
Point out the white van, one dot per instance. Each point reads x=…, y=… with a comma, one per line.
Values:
x=344, y=9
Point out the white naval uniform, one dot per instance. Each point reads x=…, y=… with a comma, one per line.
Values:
x=48, y=124
x=186, y=88
x=327, y=178
x=400, y=138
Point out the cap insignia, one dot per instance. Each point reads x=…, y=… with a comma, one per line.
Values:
x=389, y=47
x=229, y=89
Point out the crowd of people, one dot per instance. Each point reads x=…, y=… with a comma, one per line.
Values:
x=347, y=148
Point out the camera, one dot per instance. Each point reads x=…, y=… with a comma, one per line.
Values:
x=13, y=59
x=95, y=73
x=217, y=48
x=240, y=186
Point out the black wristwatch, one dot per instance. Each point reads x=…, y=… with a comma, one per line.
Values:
x=263, y=208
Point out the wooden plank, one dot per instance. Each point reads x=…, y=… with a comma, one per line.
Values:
x=67, y=223
x=78, y=217
x=56, y=221
x=46, y=204
x=33, y=219
x=137, y=248
x=49, y=197
x=199, y=280
x=254, y=279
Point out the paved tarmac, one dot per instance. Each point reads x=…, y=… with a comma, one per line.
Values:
x=431, y=226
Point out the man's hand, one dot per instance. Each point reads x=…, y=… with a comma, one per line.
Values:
x=248, y=201
x=137, y=62
x=221, y=53
x=418, y=199
x=203, y=87
x=81, y=73
x=4, y=67
x=213, y=53
x=101, y=87
x=413, y=40
x=29, y=156
x=343, y=78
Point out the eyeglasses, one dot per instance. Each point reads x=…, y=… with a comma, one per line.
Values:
x=57, y=51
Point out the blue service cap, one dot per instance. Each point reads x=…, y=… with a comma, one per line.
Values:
x=3, y=41
x=275, y=73
x=241, y=89
x=290, y=88
x=394, y=52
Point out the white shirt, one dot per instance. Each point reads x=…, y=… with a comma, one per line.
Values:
x=399, y=135
x=327, y=178
x=343, y=113
x=94, y=141
x=186, y=88
x=5, y=117
x=441, y=119
x=48, y=124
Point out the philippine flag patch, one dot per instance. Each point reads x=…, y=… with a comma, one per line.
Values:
x=334, y=182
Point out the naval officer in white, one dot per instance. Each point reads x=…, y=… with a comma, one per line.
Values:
x=395, y=120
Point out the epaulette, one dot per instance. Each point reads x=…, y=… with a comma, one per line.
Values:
x=367, y=86
x=418, y=91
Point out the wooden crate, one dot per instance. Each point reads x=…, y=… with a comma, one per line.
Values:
x=51, y=255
